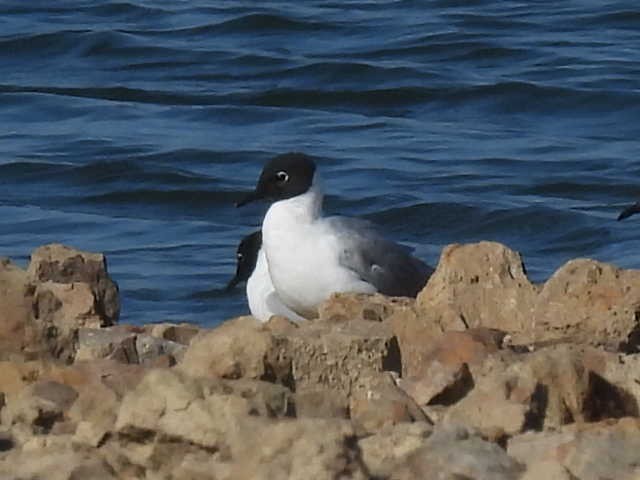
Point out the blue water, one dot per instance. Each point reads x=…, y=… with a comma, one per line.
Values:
x=132, y=127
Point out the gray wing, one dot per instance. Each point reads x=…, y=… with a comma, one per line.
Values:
x=386, y=265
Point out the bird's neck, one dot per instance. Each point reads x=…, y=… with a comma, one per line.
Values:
x=299, y=210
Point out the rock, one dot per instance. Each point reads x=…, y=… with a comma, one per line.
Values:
x=547, y=469
x=443, y=376
x=384, y=452
x=61, y=264
x=15, y=376
x=298, y=450
x=321, y=403
x=100, y=386
x=239, y=348
x=54, y=462
x=149, y=349
x=544, y=390
x=16, y=297
x=169, y=405
x=587, y=451
x=499, y=404
x=442, y=384
x=479, y=285
x=342, y=307
x=452, y=452
x=60, y=309
x=181, y=333
x=381, y=404
x=590, y=302
x=118, y=343
x=339, y=357
x=38, y=407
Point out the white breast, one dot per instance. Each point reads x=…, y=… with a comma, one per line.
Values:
x=262, y=297
x=303, y=255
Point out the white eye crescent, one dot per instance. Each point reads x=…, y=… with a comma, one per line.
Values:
x=239, y=256
x=282, y=176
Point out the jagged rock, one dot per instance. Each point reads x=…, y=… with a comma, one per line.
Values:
x=380, y=403
x=298, y=450
x=385, y=451
x=590, y=302
x=54, y=461
x=479, y=285
x=321, y=403
x=547, y=470
x=474, y=285
x=60, y=309
x=170, y=405
x=15, y=376
x=181, y=333
x=37, y=408
x=342, y=307
x=118, y=343
x=499, y=404
x=452, y=452
x=314, y=355
x=16, y=297
x=149, y=349
x=61, y=264
x=591, y=451
x=443, y=376
x=545, y=389
x=239, y=348
x=341, y=356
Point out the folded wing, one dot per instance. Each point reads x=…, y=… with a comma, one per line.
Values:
x=386, y=265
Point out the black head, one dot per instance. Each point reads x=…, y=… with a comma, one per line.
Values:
x=627, y=212
x=284, y=176
x=246, y=257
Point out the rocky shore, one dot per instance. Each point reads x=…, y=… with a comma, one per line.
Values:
x=484, y=376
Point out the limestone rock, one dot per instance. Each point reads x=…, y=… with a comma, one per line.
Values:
x=321, y=403
x=479, y=285
x=61, y=264
x=149, y=349
x=381, y=404
x=499, y=404
x=342, y=307
x=590, y=302
x=548, y=470
x=298, y=450
x=239, y=348
x=587, y=451
x=442, y=377
x=170, y=405
x=385, y=451
x=181, y=333
x=15, y=311
x=118, y=343
x=53, y=460
x=546, y=389
x=38, y=407
x=60, y=309
x=453, y=452
x=341, y=356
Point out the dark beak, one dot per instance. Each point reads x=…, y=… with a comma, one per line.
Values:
x=232, y=284
x=627, y=212
x=251, y=197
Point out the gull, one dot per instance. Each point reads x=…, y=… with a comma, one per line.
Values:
x=310, y=256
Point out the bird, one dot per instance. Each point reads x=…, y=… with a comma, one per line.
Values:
x=251, y=267
x=311, y=256
x=627, y=212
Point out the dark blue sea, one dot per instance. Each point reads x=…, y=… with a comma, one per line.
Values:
x=132, y=127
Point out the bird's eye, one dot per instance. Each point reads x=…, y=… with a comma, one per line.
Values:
x=239, y=256
x=282, y=176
